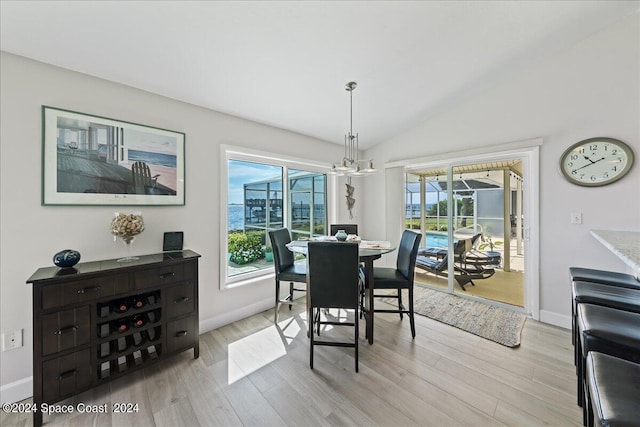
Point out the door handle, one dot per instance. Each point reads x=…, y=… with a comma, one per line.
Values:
x=66, y=330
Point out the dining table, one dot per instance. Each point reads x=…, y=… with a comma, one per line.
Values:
x=368, y=252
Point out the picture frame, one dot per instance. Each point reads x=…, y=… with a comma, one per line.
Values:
x=94, y=160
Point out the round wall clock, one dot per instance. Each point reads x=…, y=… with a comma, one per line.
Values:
x=596, y=161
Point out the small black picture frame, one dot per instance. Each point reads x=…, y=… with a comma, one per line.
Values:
x=172, y=241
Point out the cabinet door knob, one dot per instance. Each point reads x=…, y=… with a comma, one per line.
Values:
x=89, y=289
x=67, y=374
x=181, y=333
x=182, y=299
x=66, y=329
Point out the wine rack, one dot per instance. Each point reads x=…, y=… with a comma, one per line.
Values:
x=102, y=320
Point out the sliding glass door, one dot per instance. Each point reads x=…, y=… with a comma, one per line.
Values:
x=470, y=217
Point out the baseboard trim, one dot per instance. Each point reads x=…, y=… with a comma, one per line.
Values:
x=555, y=319
x=17, y=390
x=215, y=322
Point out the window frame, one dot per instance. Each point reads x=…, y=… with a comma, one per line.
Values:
x=230, y=152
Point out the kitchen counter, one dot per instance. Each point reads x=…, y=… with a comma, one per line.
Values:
x=625, y=244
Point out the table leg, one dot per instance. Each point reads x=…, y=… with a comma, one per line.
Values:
x=368, y=298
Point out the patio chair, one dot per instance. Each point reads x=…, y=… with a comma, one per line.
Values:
x=465, y=271
x=143, y=182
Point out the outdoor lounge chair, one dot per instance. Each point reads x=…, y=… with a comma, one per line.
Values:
x=143, y=182
x=477, y=258
x=465, y=270
x=441, y=252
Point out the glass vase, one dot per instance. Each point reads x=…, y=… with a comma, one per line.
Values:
x=128, y=242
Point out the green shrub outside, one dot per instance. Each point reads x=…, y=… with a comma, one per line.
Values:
x=245, y=247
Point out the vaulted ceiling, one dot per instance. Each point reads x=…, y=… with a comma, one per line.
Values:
x=285, y=63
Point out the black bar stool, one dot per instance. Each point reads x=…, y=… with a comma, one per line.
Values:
x=612, y=391
x=580, y=274
x=599, y=294
x=605, y=330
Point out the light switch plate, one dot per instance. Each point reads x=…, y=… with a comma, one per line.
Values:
x=576, y=218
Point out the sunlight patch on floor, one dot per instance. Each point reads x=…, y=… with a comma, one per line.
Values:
x=251, y=353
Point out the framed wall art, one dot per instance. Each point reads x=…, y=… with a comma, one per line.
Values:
x=92, y=160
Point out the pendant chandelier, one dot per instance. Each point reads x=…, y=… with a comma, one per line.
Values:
x=351, y=163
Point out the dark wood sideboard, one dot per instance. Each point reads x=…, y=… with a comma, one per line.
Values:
x=101, y=320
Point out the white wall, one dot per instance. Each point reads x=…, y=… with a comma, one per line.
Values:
x=591, y=89
x=32, y=233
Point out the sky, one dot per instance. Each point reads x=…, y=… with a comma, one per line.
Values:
x=151, y=142
x=241, y=173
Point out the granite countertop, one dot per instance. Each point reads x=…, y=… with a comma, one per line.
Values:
x=625, y=244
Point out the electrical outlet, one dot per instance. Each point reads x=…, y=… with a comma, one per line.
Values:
x=576, y=218
x=12, y=340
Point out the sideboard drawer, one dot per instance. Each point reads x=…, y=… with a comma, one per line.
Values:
x=66, y=375
x=179, y=300
x=181, y=334
x=65, y=329
x=79, y=291
x=164, y=275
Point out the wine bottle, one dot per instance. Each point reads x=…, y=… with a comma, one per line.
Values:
x=138, y=301
x=138, y=320
x=121, y=306
x=122, y=325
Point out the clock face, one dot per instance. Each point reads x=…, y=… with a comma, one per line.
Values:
x=596, y=161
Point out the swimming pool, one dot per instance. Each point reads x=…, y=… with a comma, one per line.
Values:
x=435, y=239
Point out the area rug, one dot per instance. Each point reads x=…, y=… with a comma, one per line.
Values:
x=493, y=323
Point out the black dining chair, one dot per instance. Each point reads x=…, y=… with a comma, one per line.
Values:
x=333, y=283
x=401, y=277
x=286, y=267
x=348, y=228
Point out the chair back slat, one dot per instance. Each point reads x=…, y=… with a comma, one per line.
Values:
x=348, y=228
x=282, y=256
x=332, y=271
x=407, y=253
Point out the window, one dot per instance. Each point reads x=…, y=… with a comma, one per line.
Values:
x=263, y=194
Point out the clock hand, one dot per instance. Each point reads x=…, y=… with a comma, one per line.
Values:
x=588, y=159
x=589, y=164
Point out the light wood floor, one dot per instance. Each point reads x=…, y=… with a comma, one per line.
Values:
x=254, y=373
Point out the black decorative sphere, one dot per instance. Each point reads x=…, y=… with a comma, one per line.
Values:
x=66, y=258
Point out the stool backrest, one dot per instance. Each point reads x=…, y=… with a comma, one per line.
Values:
x=332, y=274
x=348, y=228
x=282, y=256
x=407, y=253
